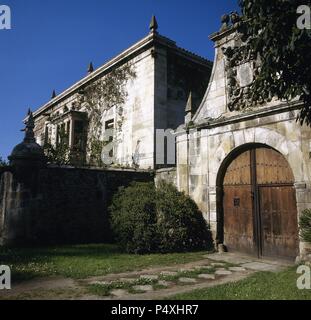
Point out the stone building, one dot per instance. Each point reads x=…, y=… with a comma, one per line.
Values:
x=247, y=166
x=155, y=97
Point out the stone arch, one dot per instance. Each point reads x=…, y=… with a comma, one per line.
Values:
x=280, y=144
x=242, y=139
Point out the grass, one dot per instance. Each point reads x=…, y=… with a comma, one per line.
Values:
x=82, y=261
x=260, y=286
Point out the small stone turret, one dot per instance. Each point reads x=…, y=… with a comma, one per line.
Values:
x=28, y=154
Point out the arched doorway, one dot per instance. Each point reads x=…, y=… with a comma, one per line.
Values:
x=258, y=204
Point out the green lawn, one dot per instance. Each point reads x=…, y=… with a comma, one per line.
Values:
x=82, y=261
x=260, y=286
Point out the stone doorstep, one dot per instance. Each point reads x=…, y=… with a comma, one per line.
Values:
x=187, y=280
x=145, y=288
x=149, y=277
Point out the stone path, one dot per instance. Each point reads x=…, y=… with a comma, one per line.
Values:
x=151, y=283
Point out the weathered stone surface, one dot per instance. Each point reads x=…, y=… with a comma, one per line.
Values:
x=203, y=267
x=187, y=280
x=223, y=272
x=237, y=269
x=164, y=283
x=144, y=288
x=217, y=264
x=206, y=276
x=260, y=266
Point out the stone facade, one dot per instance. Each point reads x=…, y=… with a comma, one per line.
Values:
x=219, y=129
x=156, y=99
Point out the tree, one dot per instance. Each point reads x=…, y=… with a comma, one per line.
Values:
x=271, y=30
x=3, y=163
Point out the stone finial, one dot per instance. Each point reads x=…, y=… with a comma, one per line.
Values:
x=189, y=103
x=90, y=68
x=30, y=125
x=235, y=18
x=225, y=19
x=189, y=108
x=53, y=94
x=153, y=25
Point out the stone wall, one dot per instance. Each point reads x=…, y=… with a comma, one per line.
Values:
x=60, y=205
x=168, y=175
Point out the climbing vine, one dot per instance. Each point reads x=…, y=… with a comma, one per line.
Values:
x=100, y=96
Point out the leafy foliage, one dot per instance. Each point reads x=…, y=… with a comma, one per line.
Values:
x=60, y=153
x=134, y=218
x=270, y=27
x=305, y=225
x=3, y=163
x=146, y=219
x=181, y=225
x=100, y=96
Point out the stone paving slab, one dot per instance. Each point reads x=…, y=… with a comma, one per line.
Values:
x=187, y=280
x=261, y=266
x=207, y=276
x=165, y=283
x=237, y=269
x=223, y=272
x=145, y=288
x=228, y=257
x=203, y=267
x=217, y=264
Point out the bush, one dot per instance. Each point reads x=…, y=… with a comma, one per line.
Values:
x=305, y=225
x=181, y=226
x=133, y=217
x=145, y=219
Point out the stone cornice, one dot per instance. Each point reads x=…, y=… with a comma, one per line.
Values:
x=150, y=40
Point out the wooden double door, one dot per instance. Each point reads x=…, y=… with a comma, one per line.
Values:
x=259, y=205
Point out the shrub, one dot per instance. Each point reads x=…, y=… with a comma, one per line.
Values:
x=181, y=226
x=145, y=219
x=305, y=225
x=133, y=217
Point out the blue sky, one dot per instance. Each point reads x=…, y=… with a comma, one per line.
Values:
x=52, y=42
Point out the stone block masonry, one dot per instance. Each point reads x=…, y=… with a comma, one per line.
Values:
x=59, y=205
